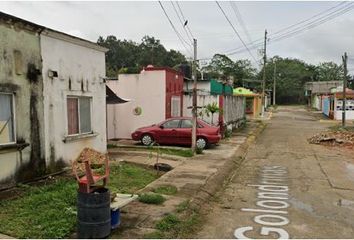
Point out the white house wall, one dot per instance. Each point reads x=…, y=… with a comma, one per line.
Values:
x=146, y=90
x=80, y=73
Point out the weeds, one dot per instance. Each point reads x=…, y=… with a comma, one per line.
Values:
x=183, y=224
x=151, y=198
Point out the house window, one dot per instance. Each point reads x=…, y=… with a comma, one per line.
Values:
x=7, y=129
x=79, y=115
x=175, y=106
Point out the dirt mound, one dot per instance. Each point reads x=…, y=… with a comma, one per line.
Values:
x=345, y=138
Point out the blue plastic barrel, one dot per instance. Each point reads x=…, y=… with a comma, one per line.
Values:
x=115, y=218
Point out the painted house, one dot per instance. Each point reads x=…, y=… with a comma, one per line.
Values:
x=332, y=104
x=253, y=102
x=52, y=98
x=213, y=91
x=317, y=91
x=154, y=95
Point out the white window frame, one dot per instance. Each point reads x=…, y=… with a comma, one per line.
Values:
x=78, y=110
x=14, y=118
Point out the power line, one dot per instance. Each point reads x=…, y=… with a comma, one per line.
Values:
x=184, y=19
x=238, y=35
x=298, y=30
x=174, y=28
x=240, y=20
x=182, y=23
x=260, y=40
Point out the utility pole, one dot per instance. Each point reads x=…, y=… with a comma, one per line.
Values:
x=264, y=72
x=345, y=59
x=274, y=80
x=194, y=108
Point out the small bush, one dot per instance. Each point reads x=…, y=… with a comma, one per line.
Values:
x=167, y=223
x=199, y=151
x=182, y=206
x=166, y=189
x=151, y=198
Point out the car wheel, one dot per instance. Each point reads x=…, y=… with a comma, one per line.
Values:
x=146, y=140
x=201, y=143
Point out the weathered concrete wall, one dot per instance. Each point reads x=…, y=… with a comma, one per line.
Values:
x=234, y=110
x=21, y=75
x=80, y=73
x=145, y=90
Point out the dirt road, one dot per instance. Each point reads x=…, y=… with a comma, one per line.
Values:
x=287, y=188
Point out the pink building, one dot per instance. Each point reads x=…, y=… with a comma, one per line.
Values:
x=155, y=94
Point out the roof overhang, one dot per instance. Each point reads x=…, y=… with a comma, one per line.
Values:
x=112, y=98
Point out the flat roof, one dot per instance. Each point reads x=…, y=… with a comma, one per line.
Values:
x=30, y=26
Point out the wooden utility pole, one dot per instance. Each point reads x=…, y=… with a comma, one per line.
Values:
x=194, y=109
x=345, y=59
x=264, y=72
x=274, y=80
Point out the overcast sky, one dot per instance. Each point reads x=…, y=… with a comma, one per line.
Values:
x=132, y=20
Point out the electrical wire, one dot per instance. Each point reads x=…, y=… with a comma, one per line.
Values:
x=182, y=40
x=184, y=19
x=182, y=22
x=238, y=35
x=260, y=40
x=240, y=20
x=298, y=30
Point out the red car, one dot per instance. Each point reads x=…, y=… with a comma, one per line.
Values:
x=178, y=131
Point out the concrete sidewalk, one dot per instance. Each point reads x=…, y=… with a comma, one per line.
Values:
x=197, y=179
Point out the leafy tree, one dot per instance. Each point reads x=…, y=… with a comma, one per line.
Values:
x=126, y=56
x=221, y=66
x=329, y=71
x=292, y=74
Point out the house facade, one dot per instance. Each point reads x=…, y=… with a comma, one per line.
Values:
x=317, y=91
x=52, y=97
x=332, y=104
x=153, y=95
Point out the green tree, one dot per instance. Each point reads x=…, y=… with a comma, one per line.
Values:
x=221, y=66
x=292, y=74
x=126, y=56
x=329, y=71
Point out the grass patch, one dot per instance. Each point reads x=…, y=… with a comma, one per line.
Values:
x=111, y=146
x=49, y=211
x=339, y=128
x=42, y=212
x=176, y=226
x=128, y=178
x=166, y=189
x=168, y=151
x=168, y=223
x=184, y=224
x=151, y=198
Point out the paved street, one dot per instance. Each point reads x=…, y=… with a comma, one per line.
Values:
x=287, y=187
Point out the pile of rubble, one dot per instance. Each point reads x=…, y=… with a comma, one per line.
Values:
x=333, y=138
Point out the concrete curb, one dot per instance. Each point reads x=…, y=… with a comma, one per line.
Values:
x=217, y=180
x=145, y=154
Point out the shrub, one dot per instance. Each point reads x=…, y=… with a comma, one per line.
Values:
x=151, y=198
